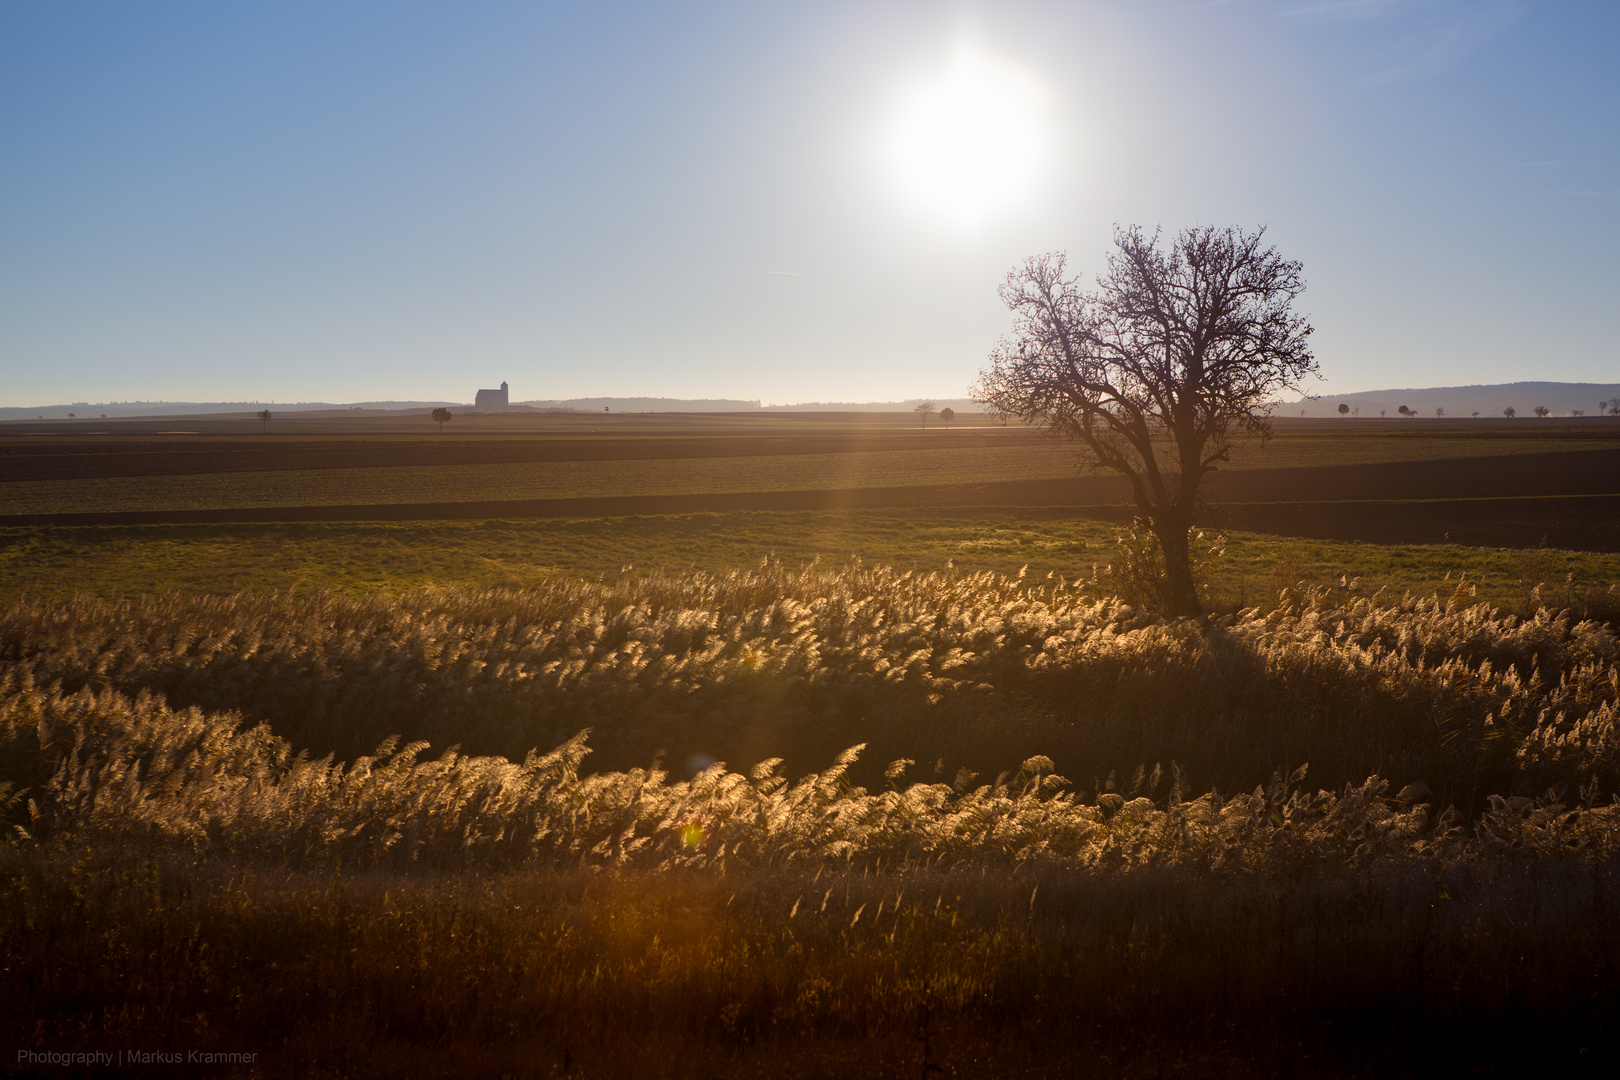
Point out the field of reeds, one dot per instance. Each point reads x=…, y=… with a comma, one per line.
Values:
x=815, y=821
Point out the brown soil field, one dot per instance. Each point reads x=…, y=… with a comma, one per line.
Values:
x=401, y=426
x=1485, y=482
x=84, y=460
x=1569, y=500
x=1572, y=472
x=56, y=451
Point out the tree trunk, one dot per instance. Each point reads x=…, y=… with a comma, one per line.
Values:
x=1180, y=592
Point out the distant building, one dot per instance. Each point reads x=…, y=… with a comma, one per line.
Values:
x=491, y=399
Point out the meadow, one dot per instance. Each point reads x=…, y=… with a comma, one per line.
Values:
x=901, y=792
x=358, y=558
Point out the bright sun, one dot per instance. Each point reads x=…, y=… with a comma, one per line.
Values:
x=969, y=142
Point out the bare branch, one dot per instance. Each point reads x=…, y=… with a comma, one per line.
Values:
x=1156, y=370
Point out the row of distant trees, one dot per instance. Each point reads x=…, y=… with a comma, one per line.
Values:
x=926, y=409
x=1612, y=407
x=442, y=416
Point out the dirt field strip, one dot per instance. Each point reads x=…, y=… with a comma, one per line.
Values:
x=39, y=459
x=1569, y=500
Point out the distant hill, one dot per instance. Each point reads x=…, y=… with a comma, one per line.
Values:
x=83, y=410
x=615, y=404
x=1486, y=400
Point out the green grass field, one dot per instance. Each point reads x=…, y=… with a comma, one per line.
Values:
x=127, y=561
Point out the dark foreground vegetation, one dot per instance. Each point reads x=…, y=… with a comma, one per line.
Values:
x=1349, y=835
x=1388, y=958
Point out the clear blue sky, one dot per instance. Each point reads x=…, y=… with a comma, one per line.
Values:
x=351, y=201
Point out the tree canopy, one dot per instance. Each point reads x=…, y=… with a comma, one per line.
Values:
x=1158, y=371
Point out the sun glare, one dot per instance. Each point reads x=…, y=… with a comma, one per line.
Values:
x=969, y=142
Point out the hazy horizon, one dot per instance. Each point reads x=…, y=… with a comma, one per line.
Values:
x=1456, y=402
x=410, y=201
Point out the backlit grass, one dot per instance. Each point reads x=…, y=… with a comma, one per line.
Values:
x=175, y=876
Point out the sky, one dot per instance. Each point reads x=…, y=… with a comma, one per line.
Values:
x=347, y=201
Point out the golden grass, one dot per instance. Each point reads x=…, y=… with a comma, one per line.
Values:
x=180, y=872
x=956, y=671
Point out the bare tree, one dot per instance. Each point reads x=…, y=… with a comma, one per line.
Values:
x=1438, y=411
x=1510, y=412
x=924, y=409
x=264, y=419
x=441, y=416
x=1614, y=406
x=1542, y=412
x=1160, y=370
x=947, y=414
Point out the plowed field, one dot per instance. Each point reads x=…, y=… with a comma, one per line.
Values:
x=1496, y=483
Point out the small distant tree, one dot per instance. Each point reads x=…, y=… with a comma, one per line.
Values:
x=1476, y=412
x=441, y=416
x=1439, y=411
x=1543, y=412
x=72, y=417
x=1614, y=406
x=923, y=410
x=1344, y=410
x=1382, y=412
x=1510, y=412
x=1404, y=411
x=264, y=419
x=947, y=414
